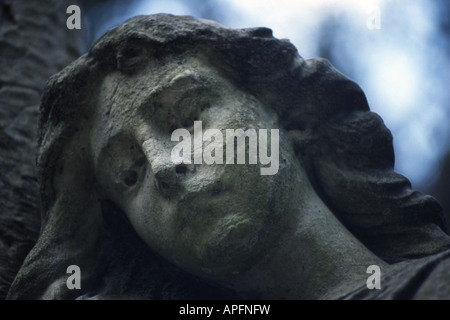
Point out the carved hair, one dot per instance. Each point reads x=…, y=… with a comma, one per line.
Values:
x=345, y=148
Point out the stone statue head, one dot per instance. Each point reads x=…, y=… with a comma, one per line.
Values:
x=140, y=225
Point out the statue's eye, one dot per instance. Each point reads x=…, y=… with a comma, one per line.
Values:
x=121, y=165
x=188, y=113
x=189, y=121
x=130, y=178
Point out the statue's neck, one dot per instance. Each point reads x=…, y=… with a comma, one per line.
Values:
x=315, y=258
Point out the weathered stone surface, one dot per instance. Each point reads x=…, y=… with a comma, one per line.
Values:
x=143, y=227
x=34, y=44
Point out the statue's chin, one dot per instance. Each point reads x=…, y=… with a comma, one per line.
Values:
x=232, y=244
x=219, y=242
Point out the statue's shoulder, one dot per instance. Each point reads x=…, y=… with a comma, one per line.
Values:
x=436, y=285
x=427, y=278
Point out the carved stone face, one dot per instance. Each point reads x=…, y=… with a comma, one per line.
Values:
x=209, y=219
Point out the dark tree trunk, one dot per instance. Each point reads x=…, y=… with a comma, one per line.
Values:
x=34, y=44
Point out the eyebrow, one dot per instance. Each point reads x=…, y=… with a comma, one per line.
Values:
x=185, y=75
x=186, y=82
x=181, y=86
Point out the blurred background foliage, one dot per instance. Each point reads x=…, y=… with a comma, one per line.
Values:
x=396, y=50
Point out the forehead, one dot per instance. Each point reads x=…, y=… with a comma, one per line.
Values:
x=124, y=101
x=121, y=92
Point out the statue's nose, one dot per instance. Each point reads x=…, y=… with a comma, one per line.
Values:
x=168, y=172
x=168, y=176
